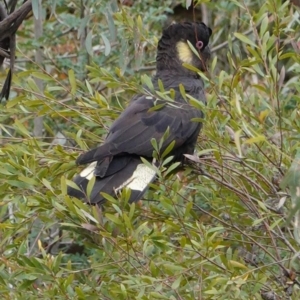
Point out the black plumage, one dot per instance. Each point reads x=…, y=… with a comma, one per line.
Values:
x=116, y=163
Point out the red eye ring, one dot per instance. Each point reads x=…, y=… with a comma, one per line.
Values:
x=199, y=45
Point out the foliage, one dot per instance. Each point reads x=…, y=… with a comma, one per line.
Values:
x=220, y=229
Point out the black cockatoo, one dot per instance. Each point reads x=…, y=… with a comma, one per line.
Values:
x=117, y=163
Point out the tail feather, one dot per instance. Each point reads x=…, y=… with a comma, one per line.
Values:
x=123, y=172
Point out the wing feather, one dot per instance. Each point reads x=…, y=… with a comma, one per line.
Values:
x=133, y=130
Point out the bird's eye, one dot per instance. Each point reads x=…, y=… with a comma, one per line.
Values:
x=199, y=45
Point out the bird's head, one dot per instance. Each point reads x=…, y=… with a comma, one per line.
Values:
x=173, y=48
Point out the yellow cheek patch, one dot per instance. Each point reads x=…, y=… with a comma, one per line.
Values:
x=185, y=54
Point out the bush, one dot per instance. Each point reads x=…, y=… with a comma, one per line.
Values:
x=221, y=229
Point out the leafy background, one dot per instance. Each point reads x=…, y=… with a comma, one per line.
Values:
x=221, y=229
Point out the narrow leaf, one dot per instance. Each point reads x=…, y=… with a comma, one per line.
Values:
x=88, y=43
x=244, y=39
x=106, y=44
x=72, y=81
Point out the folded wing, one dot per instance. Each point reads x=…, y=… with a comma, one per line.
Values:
x=132, y=132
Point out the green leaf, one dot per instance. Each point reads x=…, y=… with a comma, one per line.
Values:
x=113, y=218
x=256, y=139
x=147, y=81
x=139, y=23
x=157, y=107
x=41, y=75
x=36, y=8
x=90, y=186
x=47, y=184
x=172, y=167
x=237, y=141
x=182, y=91
x=106, y=44
x=32, y=84
x=111, y=25
x=88, y=43
x=264, y=25
x=214, y=64
x=21, y=128
x=237, y=264
x=154, y=145
x=176, y=283
x=168, y=149
x=82, y=28
x=244, y=39
x=193, y=49
x=72, y=81
x=191, y=67
x=161, y=85
x=188, y=3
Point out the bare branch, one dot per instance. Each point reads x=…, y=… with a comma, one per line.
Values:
x=8, y=27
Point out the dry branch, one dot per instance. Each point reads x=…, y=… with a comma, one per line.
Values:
x=8, y=27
